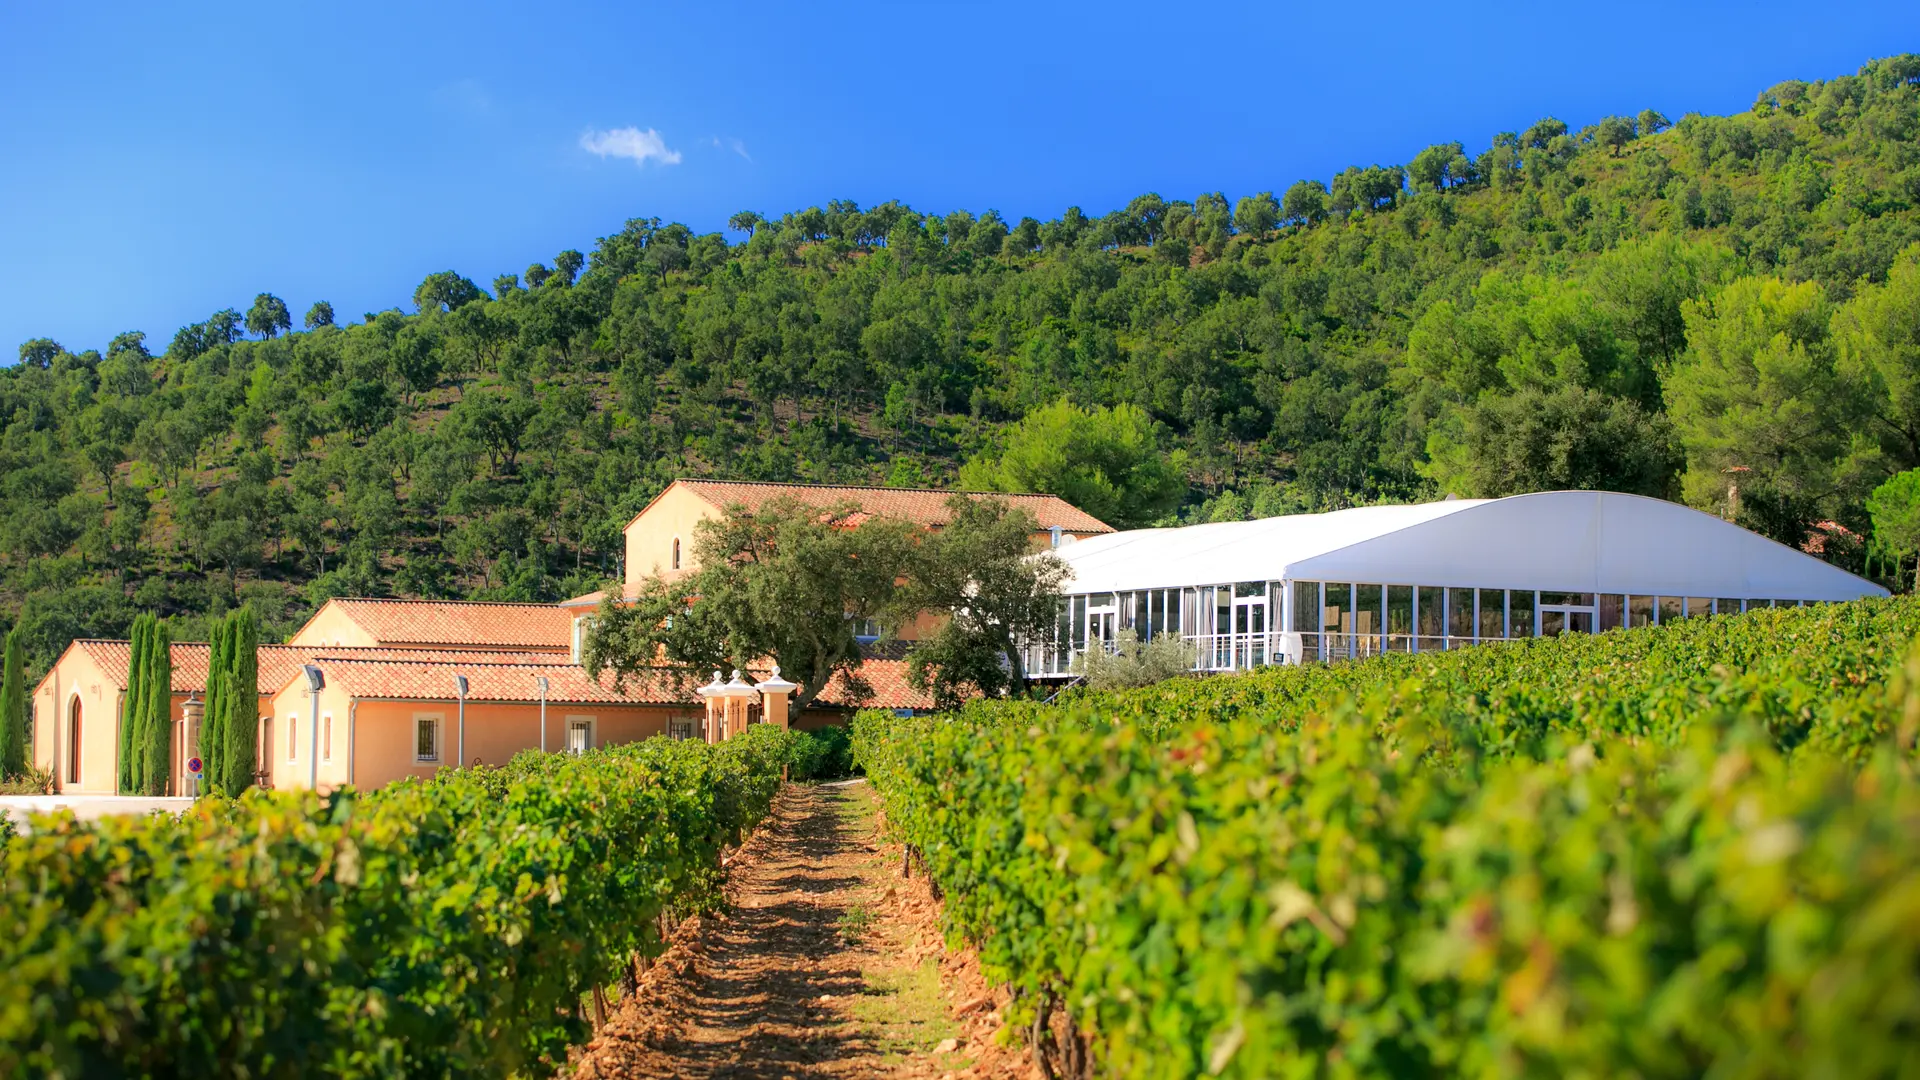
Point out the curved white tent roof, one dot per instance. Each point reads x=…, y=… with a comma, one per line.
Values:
x=1580, y=541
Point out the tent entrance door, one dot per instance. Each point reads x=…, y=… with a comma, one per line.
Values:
x=1103, y=618
x=1557, y=619
x=1249, y=631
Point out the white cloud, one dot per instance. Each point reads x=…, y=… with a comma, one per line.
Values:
x=732, y=144
x=630, y=142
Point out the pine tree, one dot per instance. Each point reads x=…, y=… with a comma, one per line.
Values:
x=158, y=730
x=13, y=711
x=213, y=738
x=242, y=719
x=131, y=705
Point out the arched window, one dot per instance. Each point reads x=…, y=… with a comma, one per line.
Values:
x=73, y=741
x=676, y=553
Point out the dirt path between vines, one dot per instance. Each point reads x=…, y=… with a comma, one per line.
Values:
x=825, y=963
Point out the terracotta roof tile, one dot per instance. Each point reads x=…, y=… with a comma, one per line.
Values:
x=413, y=679
x=888, y=678
x=458, y=623
x=278, y=663
x=923, y=506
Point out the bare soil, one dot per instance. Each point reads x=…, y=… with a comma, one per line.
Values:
x=825, y=963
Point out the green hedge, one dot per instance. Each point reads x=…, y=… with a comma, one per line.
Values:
x=1599, y=863
x=442, y=928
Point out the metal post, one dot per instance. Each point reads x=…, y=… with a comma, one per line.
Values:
x=316, y=682
x=541, y=681
x=460, y=690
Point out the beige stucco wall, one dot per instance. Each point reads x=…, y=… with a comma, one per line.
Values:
x=650, y=536
x=331, y=626
x=288, y=737
x=374, y=741
x=75, y=675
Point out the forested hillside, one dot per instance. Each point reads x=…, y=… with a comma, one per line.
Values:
x=1673, y=308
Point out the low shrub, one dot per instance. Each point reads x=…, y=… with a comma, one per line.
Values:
x=822, y=754
x=433, y=928
x=1611, y=856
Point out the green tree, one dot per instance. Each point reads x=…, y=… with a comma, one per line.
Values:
x=1257, y=215
x=133, y=705
x=1106, y=461
x=1304, y=203
x=319, y=315
x=268, y=316
x=788, y=583
x=1614, y=133
x=13, y=709
x=240, y=720
x=1758, y=389
x=981, y=576
x=213, y=709
x=1571, y=438
x=1894, y=507
x=445, y=291
x=155, y=730
x=1877, y=338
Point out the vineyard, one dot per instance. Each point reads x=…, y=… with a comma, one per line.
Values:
x=458, y=927
x=1672, y=852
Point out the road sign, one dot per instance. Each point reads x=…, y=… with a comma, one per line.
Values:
x=193, y=765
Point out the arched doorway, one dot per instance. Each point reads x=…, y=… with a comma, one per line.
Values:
x=73, y=740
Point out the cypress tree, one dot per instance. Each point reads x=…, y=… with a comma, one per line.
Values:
x=213, y=739
x=242, y=719
x=159, y=727
x=131, y=705
x=13, y=711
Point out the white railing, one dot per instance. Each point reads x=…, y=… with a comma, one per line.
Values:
x=1242, y=652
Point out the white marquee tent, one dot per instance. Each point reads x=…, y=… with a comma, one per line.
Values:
x=1601, y=553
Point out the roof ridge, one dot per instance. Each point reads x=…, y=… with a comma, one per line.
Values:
x=424, y=600
x=866, y=487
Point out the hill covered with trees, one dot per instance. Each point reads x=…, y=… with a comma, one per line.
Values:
x=1719, y=309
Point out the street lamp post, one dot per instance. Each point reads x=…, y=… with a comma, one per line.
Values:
x=541, y=681
x=316, y=682
x=460, y=691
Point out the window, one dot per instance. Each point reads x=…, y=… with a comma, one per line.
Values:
x=293, y=741
x=1672, y=609
x=676, y=553
x=1306, y=607
x=1493, y=614
x=426, y=738
x=1724, y=606
x=326, y=738
x=579, y=734
x=1639, y=611
x=1699, y=607
x=866, y=629
x=1430, y=616
x=1755, y=604
x=1612, y=611
x=1460, y=617
x=73, y=741
x=1520, y=613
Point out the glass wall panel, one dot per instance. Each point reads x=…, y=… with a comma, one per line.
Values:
x=1336, y=616
x=1172, y=600
x=1672, y=609
x=1754, y=605
x=1699, y=607
x=1724, y=606
x=1639, y=611
x=1367, y=602
x=1520, y=613
x=1430, y=618
x=1399, y=618
x=1553, y=623
x=1612, y=608
x=1493, y=614
x=1079, y=623
x=1306, y=607
x=1460, y=615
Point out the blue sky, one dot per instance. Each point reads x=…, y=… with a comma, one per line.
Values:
x=158, y=166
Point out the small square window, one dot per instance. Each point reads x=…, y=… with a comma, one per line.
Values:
x=426, y=738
